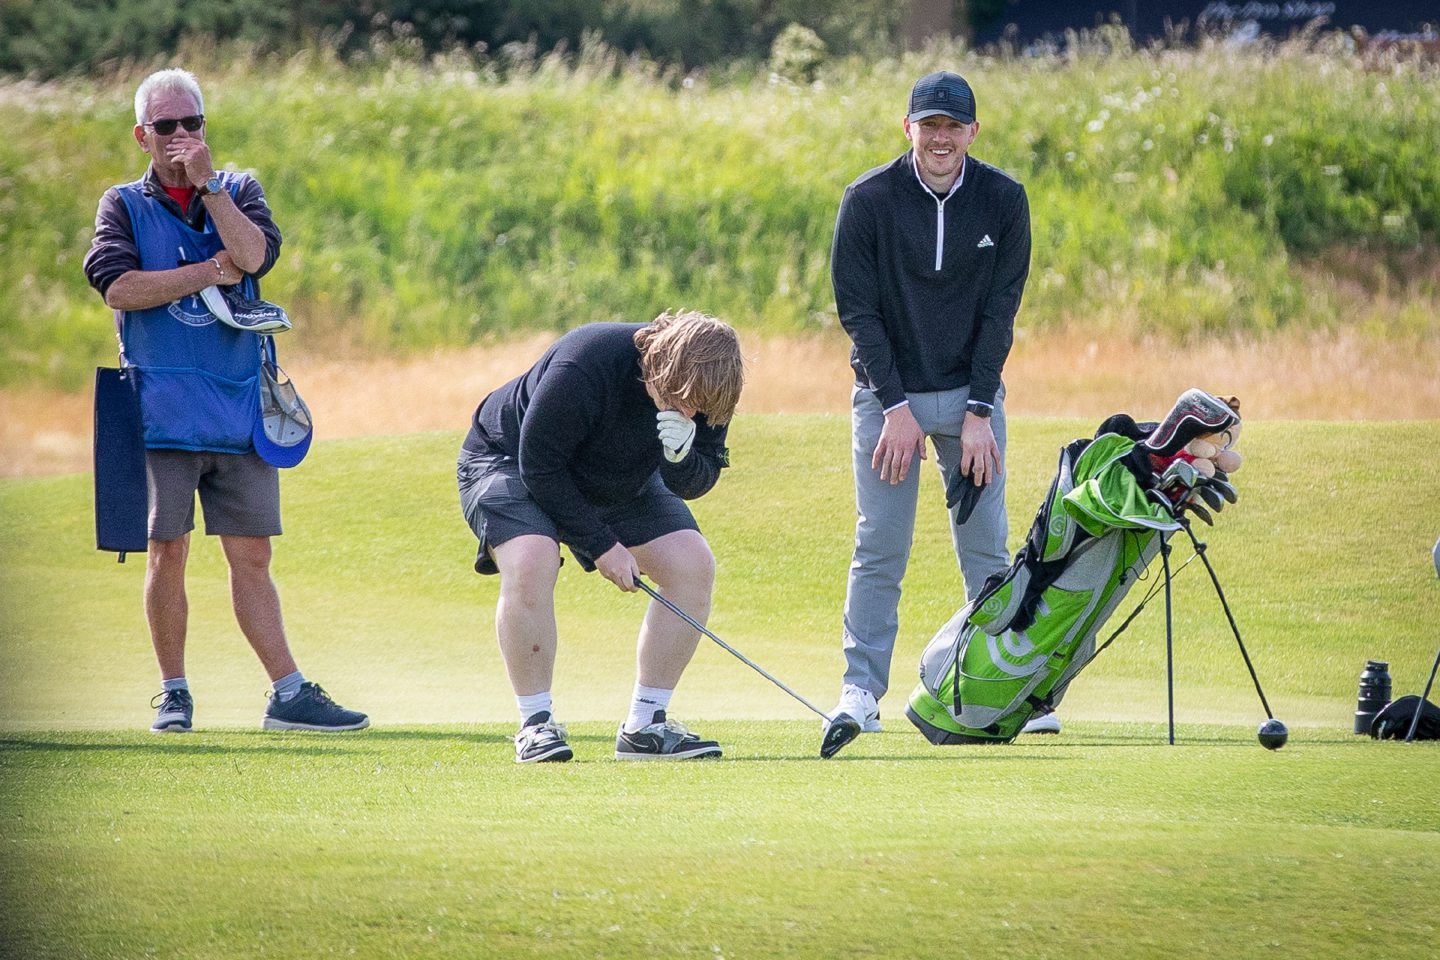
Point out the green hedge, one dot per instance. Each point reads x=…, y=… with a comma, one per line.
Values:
x=435, y=202
x=55, y=37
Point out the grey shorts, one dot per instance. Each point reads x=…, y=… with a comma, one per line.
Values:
x=239, y=492
x=498, y=508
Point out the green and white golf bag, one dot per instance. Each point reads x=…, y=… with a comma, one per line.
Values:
x=1013, y=651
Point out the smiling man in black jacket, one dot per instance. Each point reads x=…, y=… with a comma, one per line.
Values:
x=597, y=447
x=930, y=257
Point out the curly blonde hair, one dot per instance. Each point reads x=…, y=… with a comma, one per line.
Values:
x=693, y=360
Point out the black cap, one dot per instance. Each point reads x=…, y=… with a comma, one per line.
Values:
x=942, y=93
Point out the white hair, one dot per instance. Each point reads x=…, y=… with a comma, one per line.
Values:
x=173, y=80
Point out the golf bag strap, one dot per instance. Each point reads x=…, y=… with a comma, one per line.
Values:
x=120, y=338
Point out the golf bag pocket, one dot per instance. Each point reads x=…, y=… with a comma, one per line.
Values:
x=190, y=409
x=996, y=608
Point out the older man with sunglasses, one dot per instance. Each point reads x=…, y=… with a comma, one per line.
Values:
x=159, y=241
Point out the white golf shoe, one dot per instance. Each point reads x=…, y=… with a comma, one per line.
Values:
x=860, y=704
x=1042, y=723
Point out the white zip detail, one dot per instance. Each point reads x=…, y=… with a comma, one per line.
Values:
x=939, y=205
x=939, y=231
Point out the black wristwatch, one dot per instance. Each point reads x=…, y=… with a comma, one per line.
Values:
x=213, y=185
x=982, y=410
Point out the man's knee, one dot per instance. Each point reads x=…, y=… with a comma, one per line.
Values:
x=168, y=554
x=247, y=554
x=680, y=560
x=529, y=567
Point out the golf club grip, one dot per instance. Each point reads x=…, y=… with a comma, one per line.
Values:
x=728, y=649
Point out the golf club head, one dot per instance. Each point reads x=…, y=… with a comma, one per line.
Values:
x=1211, y=496
x=838, y=733
x=1200, y=512
x=1222, y=483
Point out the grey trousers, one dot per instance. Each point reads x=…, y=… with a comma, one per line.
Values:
x=885, y=527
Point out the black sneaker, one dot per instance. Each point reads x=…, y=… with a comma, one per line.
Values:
x=311, y=709
x=542, y=740
x=173, y=713
x=663, y=740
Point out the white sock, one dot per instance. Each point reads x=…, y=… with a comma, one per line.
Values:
x=533, y=703
x=642, y=708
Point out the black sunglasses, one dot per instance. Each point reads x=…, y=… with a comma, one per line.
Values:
x=167, y=126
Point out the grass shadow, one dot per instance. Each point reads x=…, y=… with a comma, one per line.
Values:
x=460, y=736
x=170, y=744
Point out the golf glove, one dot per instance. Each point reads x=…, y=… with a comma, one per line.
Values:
x=677, y=432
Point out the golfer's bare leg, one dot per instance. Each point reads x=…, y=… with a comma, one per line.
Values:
x=256, y=602
x=166, y=607
x=525, y=616
x=683, y=569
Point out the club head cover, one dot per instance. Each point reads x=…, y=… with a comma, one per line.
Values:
x=1195, y=414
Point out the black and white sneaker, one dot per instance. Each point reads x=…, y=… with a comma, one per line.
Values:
x=663, y=740
x=542, y=740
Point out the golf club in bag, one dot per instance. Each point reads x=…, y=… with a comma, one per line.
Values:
x=1116, y=500
x=838, y=731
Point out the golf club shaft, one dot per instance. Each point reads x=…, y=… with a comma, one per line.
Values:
x=1169, y=639
x=1419, y=707
x=736, y=653
x=1200, y=549
x=1415, y=720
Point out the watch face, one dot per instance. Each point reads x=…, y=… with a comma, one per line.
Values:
x=213, y=185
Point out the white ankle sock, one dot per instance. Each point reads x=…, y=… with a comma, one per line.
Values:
x=644, y=704
x=533, y=703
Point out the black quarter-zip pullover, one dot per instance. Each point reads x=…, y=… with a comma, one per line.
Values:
x=927, y=286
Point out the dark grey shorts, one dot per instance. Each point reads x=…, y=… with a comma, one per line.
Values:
x=239, y=492
x=498, y=508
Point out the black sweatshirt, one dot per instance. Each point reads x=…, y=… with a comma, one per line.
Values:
x=584, y=432
x=926, y=286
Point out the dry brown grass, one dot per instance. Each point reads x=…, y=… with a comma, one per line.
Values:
x=1330, y=377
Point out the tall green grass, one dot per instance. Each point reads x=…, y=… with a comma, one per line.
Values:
x=1178, y=192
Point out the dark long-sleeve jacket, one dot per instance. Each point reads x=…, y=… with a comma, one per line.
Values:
x=114, y=252
x=582, y=428
x=928, y=287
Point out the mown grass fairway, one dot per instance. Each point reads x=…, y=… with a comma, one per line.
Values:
x=429, y=842
x=420, y=838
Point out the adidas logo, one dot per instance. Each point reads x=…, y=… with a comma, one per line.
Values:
x=985, y=241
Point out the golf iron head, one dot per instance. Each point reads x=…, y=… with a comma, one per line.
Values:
x=838, y=733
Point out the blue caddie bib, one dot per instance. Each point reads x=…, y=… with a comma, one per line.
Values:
x=198, y=377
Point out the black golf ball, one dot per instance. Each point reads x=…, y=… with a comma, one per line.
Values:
x=1273, y=734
